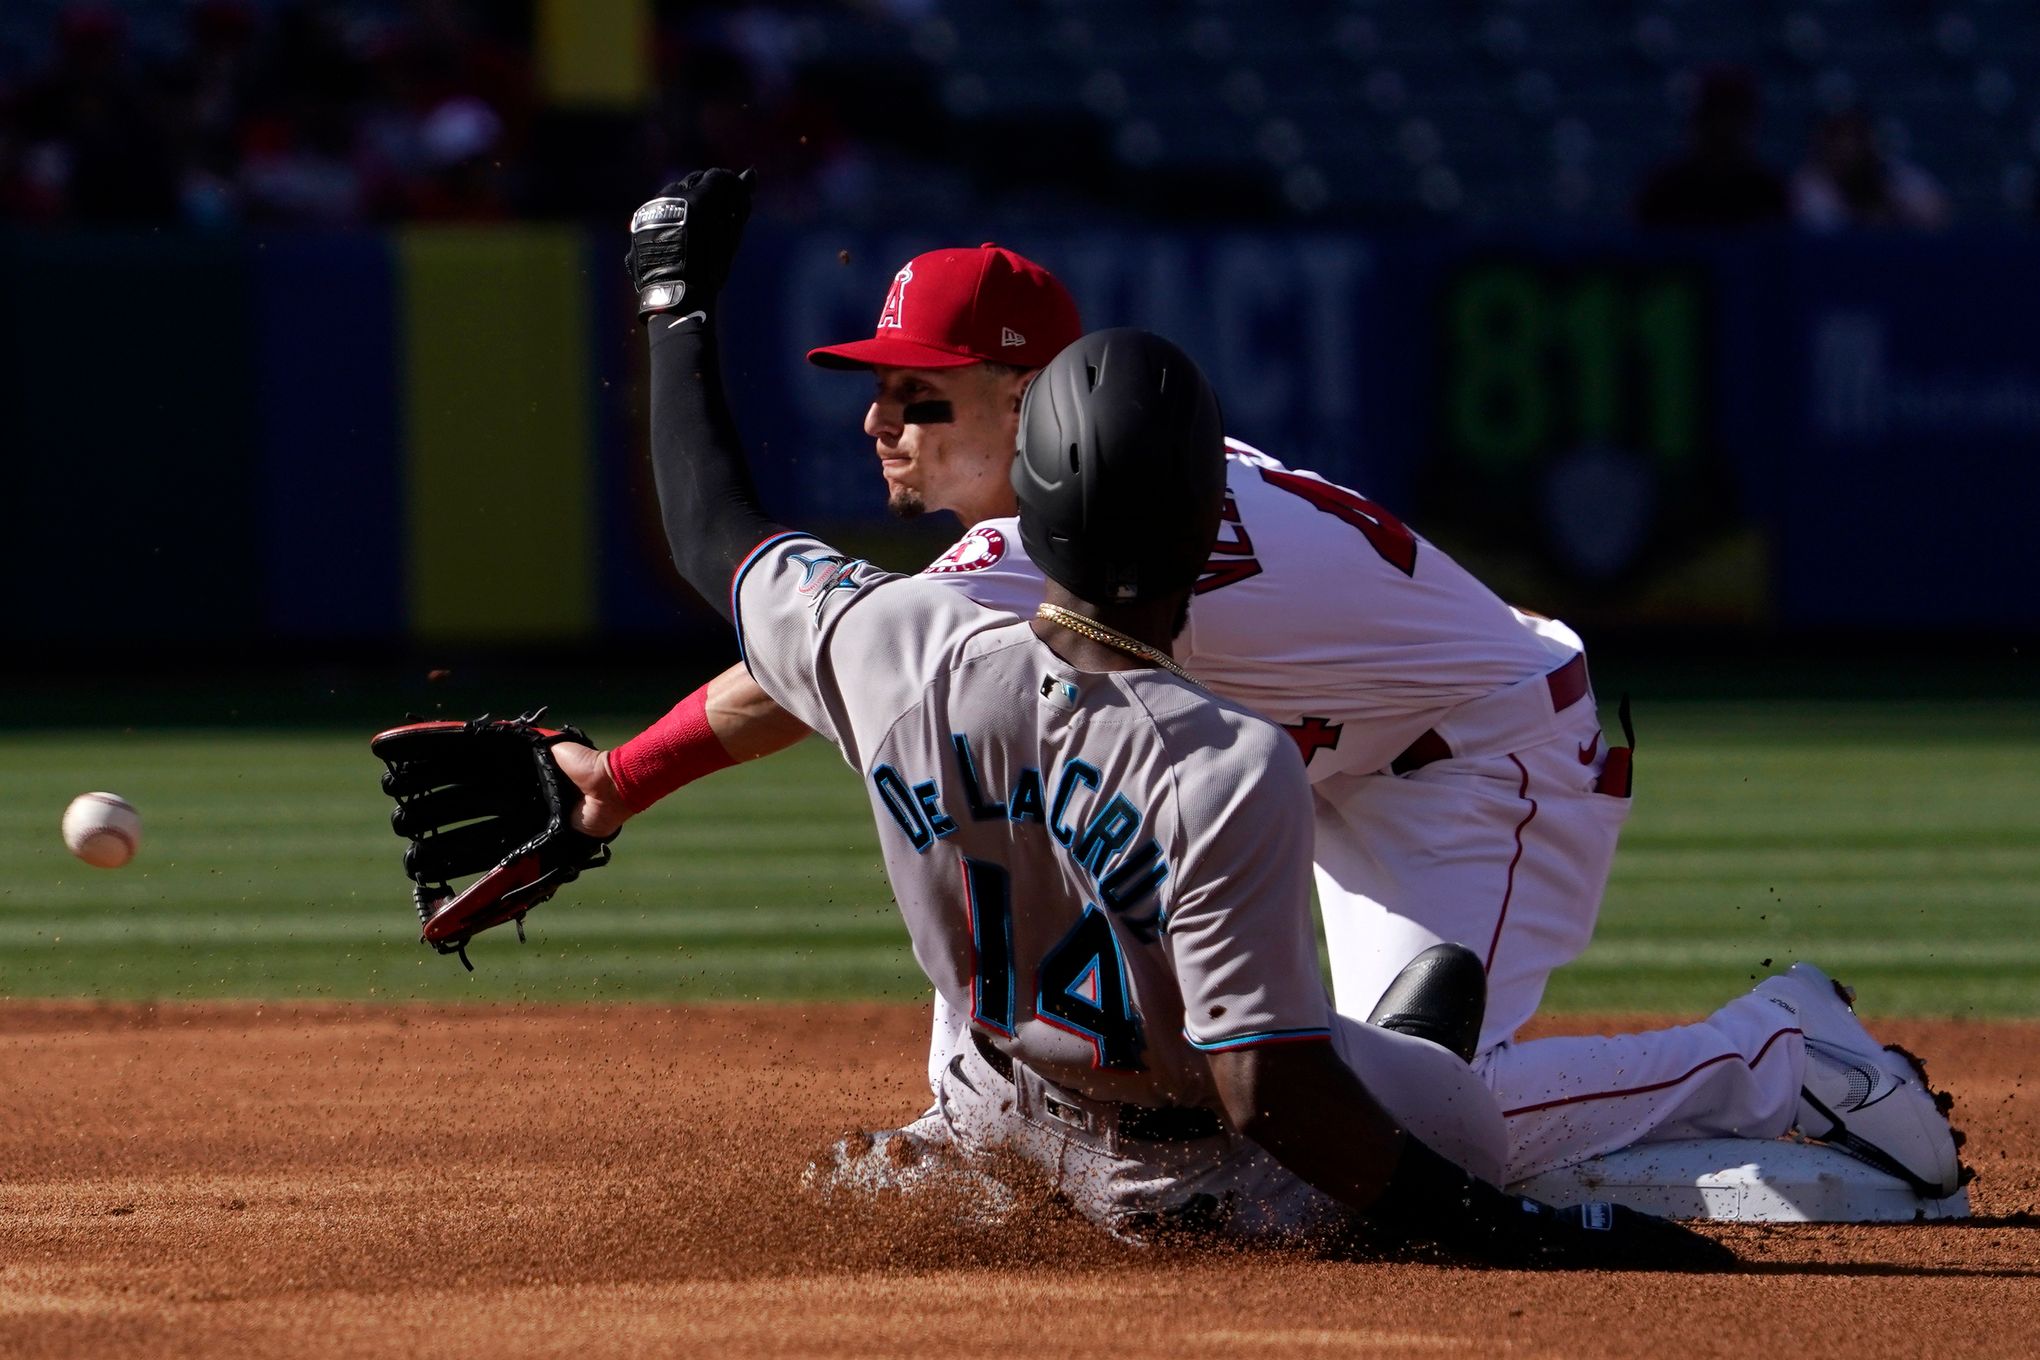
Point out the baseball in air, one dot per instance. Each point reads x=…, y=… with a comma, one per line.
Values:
x=103, y=829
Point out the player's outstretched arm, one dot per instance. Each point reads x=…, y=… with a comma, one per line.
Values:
x=1312, y=1114
x=727, y=721
x=682, y=246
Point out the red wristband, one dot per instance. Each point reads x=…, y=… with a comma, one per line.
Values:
x=677, y=749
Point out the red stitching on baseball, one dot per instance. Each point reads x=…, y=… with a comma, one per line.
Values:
x=119, y=833
x=123, y=837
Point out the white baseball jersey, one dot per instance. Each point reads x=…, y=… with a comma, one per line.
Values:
x=1107, y=872
x=1318, y=609
x=1324, y=612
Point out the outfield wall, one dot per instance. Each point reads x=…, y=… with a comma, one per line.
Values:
x=434, y=433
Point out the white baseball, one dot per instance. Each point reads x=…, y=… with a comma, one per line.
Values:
x=103, y=829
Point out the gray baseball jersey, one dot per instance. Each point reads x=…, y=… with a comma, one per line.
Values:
x=1108, y=872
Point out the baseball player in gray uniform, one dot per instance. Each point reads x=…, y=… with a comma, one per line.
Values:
x=1462, y=787
x=1104, y=869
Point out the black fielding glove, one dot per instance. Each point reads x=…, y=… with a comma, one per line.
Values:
x=683, y=242
x=1428, y=1199
x=483, y=797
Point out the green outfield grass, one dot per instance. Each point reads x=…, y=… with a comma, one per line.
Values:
x=1897, y=844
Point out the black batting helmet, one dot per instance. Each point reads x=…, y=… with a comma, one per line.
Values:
x=1120, y=469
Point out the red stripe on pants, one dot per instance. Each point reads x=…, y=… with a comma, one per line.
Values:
x=1522, y=791
x=1654, y=1086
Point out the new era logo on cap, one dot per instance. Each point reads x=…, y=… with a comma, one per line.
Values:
x=949, y=308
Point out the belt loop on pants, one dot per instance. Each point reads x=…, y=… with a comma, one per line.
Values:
x=1566, y=685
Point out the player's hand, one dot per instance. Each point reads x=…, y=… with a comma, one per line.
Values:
x=1602, y=1236
x=1428, y=1199
x=683, y=242
x=601, y=811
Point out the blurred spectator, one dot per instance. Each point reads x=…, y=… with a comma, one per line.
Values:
x=207, y=92
x=1849, y=181
x=300, y=169
x=442, y=130
x=464, y=182
x=1719, y=181
x=730, y=94
x=323, y=111
x=92, y=140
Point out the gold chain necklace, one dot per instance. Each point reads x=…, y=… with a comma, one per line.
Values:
x=1111, y=637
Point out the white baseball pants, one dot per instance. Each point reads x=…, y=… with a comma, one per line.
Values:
x=1509, y=855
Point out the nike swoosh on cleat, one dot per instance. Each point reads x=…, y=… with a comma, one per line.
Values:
x=1878, y=1085
x=1890, y=1090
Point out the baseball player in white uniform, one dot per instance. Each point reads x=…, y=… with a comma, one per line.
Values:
x=1464, y=789
x=1101, y=866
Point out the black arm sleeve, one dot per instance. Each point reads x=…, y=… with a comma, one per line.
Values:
x=706, y=496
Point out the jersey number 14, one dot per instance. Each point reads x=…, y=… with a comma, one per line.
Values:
x=1080, y=985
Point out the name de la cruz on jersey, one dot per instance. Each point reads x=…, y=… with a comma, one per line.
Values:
x=1094, y=824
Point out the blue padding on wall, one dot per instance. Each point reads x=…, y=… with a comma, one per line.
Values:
x=327, y=416
x=1914, y=405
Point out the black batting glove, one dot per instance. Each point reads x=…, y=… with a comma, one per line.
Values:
x=683, y=242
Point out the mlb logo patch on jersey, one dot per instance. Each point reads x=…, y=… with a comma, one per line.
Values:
x=1058, y=691
x=982, y=547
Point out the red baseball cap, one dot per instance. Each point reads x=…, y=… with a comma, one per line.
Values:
x=949, y=308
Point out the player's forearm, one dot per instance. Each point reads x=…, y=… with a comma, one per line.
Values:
x=745, y=719
x=706, y=496
x=726, y=721
x=1305, y=1106
x=1315, y=1117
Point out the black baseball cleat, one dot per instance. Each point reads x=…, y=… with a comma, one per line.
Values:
x=1440, y=995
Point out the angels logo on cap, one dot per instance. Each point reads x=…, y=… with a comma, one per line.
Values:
x=970, y=306
x=889, y=319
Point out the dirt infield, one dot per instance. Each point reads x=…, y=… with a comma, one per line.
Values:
x=329, y=1180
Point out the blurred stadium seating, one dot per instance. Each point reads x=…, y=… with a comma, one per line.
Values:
x=1478, y=111
x=1505, y=110
x=1402, y=235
